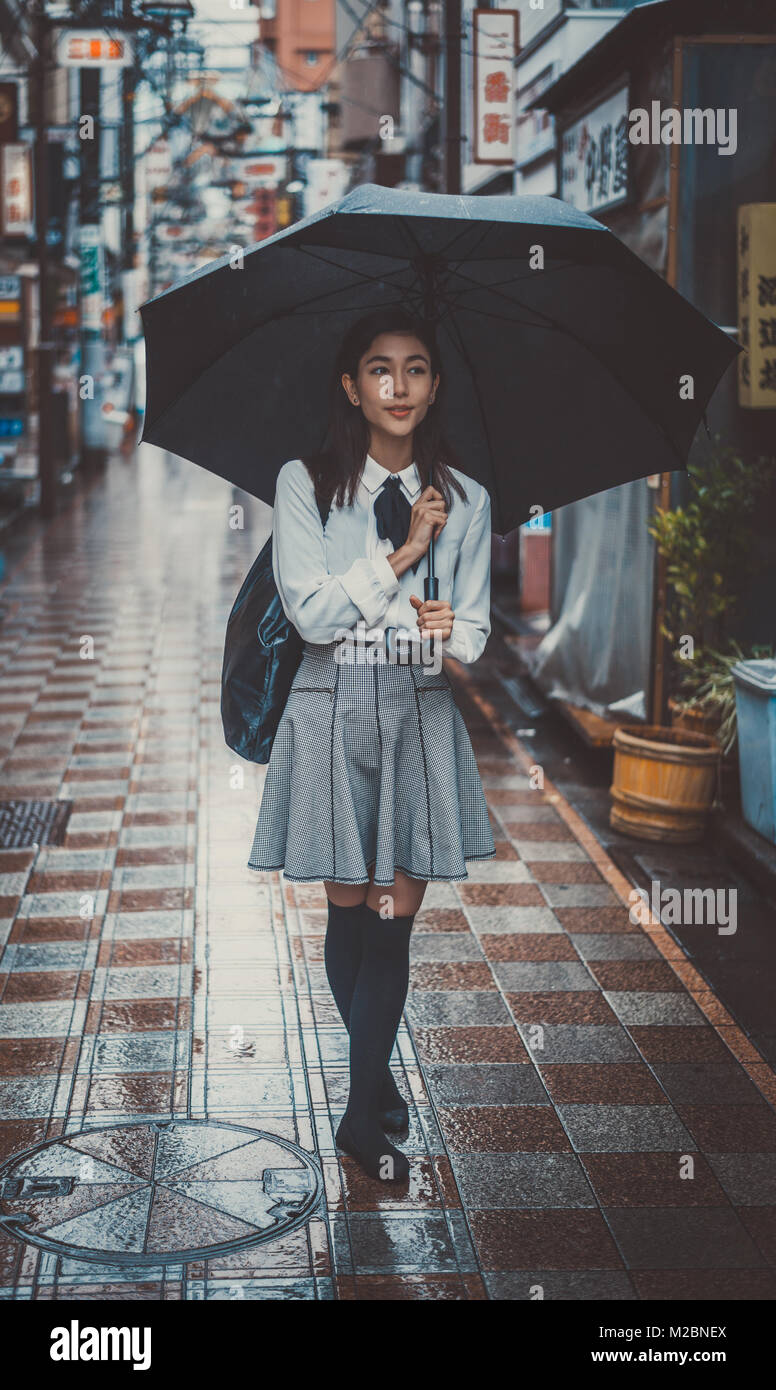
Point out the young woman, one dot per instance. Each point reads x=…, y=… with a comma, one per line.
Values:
x=372, y=787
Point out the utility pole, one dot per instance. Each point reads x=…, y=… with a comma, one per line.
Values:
x=452, y=96
x=93, y=451
x=127, y=175
x=44, y=351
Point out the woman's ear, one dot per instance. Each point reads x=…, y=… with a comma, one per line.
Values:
x=349, y=387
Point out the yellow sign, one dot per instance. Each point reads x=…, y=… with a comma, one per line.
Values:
x=283, y=212
x=757, y=305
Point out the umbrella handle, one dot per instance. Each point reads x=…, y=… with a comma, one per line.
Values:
x=431, y=583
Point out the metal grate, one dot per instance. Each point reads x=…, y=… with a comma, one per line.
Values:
x=26, y=823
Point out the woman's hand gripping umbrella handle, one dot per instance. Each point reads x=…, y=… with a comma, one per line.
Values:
x=430, y=583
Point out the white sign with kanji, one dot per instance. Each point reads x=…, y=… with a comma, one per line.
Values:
x=16, y=191
x=495, y=46
x=158, y=164
x=594, y=156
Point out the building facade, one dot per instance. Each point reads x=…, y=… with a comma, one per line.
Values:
x=678, y=205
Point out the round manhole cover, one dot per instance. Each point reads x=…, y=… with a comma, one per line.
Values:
x=156, y=1193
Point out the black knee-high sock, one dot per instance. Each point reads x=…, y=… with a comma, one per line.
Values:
x=342, y=958
x=342, y=954
x=375, y=1013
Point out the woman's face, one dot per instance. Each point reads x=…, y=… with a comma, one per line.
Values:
x=393, y=385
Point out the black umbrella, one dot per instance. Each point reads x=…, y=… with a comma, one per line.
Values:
x=570, y=366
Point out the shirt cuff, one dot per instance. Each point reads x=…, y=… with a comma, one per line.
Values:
x=387, y=576
x=457, y=646
x=370, y=584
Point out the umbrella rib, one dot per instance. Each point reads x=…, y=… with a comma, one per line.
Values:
x=439, y=295
x=569, y=332
x=450, y=297
x=467, y=360
x=316, y=313
x=298, y=313
x=553, y=327
x=515, y=279
x=363, y=274
x=450, y=244
x=288, y=314
x=406, y=291
x=264, y=323
x=454, y=268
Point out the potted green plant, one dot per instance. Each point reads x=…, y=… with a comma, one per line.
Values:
x=708, y=551
x=708, y=693
x=664, y=778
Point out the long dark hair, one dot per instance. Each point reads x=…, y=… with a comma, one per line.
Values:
x=336, y=468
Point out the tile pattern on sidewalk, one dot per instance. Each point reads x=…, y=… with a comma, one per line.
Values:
x=586, y=1121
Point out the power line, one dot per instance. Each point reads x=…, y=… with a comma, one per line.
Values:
x=8, y=39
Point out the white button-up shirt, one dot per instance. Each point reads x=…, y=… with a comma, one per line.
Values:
x=335, y=579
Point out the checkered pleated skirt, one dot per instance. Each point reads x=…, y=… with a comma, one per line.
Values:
x=370, y=764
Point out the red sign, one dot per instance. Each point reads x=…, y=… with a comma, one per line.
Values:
x=495, y=48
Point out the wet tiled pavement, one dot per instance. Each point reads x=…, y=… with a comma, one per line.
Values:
x=586, y=1118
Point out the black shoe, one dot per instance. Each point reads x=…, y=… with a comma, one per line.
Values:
x=372, y=1159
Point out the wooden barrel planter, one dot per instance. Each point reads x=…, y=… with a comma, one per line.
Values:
x=663, y=783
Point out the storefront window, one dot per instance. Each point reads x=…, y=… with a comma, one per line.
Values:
x=737, y=80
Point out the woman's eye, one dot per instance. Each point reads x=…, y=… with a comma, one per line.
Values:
x=385, y=369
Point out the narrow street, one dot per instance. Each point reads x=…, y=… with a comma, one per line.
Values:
x=588, y=1120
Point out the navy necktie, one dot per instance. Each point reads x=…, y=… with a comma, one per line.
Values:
x=393, y=513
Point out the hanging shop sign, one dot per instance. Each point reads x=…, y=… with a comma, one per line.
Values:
x=495, y=46
x=10, y=300
x=91, y=258
x=158, y=165
x=594, y=156
x=12, y=370
x=175, y=233
x=92, y=48
x=284, y=211
x=259, y=171
x=326, y=180
x=263, y=209
x=757, y=305
x=16, y=218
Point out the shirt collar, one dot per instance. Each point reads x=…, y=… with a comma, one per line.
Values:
x=374, y=475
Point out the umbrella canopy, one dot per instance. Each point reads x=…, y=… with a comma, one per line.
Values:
x=570, y=366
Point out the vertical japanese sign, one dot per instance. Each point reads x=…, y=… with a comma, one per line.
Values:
x=158, y=165
x=91, y=257
x=757, y=305
x=13, y=407
x=594, y=156
x=16, y=218
x=496, y=36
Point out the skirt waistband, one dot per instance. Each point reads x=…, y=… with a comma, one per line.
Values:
x=412, y=653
